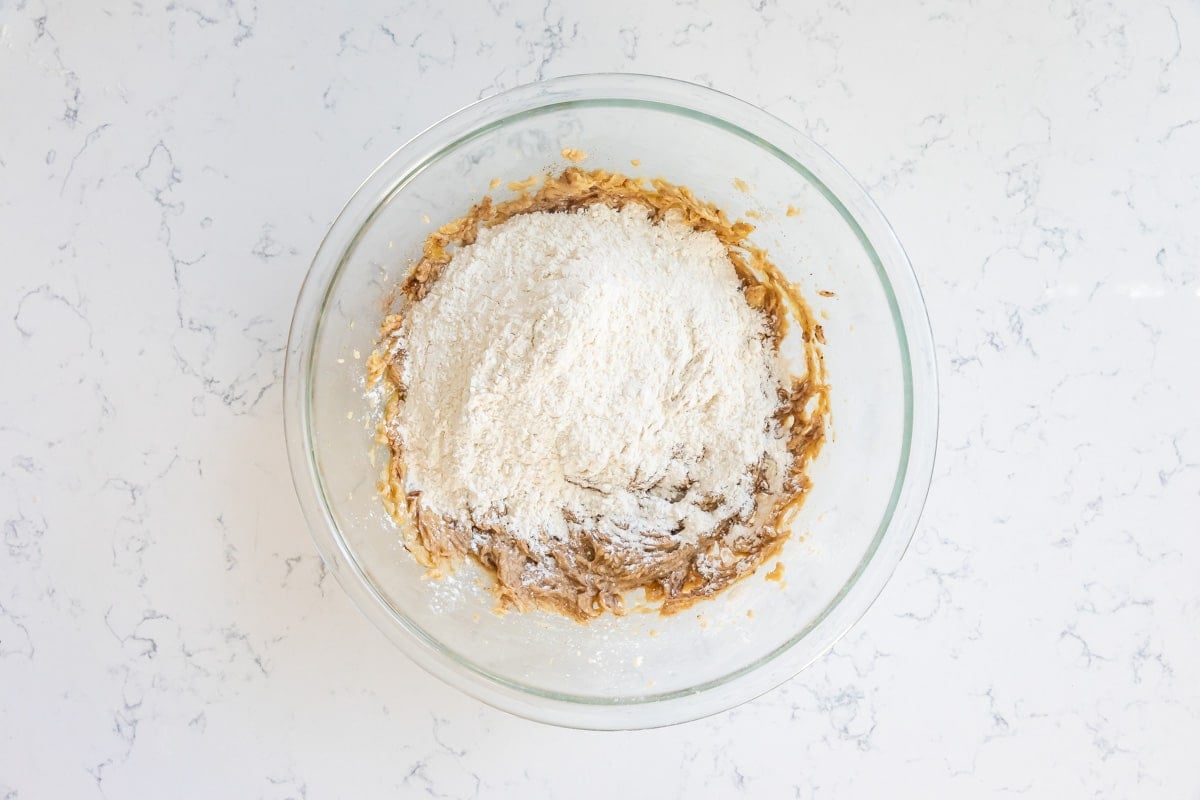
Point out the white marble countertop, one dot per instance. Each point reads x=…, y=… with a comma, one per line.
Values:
x=166, y=172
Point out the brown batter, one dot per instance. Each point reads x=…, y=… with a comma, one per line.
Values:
x=589, y=575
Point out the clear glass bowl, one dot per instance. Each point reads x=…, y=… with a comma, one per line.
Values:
x=869, y=484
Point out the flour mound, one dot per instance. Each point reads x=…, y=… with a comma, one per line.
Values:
x=590, y=369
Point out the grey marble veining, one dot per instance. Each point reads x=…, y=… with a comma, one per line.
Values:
x=166, y=171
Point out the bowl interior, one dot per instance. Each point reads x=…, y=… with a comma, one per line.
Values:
x=640, y=656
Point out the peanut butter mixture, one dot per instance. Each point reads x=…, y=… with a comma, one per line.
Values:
x=583, y=577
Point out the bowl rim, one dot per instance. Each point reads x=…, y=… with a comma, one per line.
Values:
x=914, y=337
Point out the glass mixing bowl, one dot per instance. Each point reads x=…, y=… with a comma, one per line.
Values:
x=869, y=483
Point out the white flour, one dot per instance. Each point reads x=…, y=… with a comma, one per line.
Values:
x=589, y=366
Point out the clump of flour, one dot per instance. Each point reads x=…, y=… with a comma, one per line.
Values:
x=594, y=369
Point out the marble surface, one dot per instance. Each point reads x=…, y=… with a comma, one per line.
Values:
x=166, y=172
